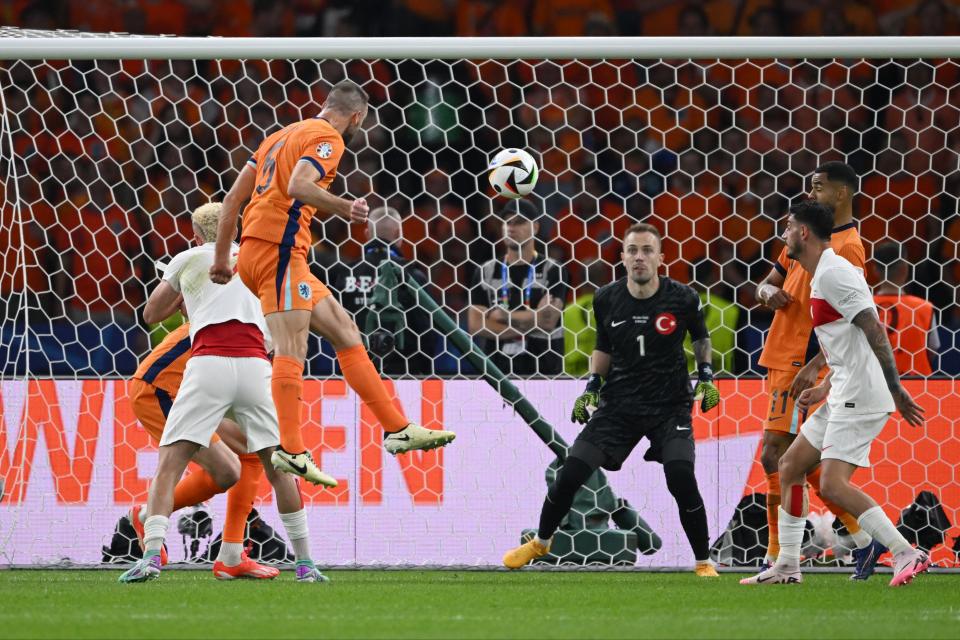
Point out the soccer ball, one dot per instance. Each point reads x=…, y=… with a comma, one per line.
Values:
x=513, y=173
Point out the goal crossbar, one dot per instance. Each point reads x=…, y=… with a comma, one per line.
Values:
x=117, y=47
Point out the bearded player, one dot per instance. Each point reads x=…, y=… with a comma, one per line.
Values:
x=287, y=182
x=792, y=356
x=861, y=391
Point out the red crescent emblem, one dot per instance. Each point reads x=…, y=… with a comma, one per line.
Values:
x=665, y=323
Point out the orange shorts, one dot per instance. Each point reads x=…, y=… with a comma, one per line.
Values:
x=783, y=413
x=151, y=406
x=279, y=276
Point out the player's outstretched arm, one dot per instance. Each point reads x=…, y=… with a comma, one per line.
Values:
x=876, y=335
x=163, y=302
x=705, y=390
x=221, y=271
x=303, y=187
x=590, y=398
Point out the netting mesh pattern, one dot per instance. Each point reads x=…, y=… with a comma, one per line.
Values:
x=103, y=161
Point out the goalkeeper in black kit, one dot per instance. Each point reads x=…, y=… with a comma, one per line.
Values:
x=638, y=388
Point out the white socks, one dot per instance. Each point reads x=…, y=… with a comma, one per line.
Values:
x=230, y=553
x=298, y=532
x=546, y=542
x=861, y=538
x=875, y=522
x=791, y=537
x=154, y=531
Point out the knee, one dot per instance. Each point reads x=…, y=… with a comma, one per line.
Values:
x=790, y=471
x=831, y=488
x=571, y=476
x=347, y=335
x=226, y=475
x=770, y=458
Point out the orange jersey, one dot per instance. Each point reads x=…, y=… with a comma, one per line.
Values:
x=909, y=321
x=164, y=367
x=788, y=342
x=272, y=215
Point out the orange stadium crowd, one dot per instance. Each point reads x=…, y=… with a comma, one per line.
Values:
x=112, y=156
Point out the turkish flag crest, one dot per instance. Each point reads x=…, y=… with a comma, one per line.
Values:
x=665, y=323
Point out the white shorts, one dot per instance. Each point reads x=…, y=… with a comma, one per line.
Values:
x=214, y=385
x=844, y=437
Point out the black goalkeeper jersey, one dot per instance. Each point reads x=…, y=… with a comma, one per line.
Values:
x=648, y=369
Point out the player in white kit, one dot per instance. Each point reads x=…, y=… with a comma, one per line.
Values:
x=861, y=391
x=228, y=371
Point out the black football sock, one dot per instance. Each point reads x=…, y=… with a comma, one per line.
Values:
x=682, y=484
x=572, y=475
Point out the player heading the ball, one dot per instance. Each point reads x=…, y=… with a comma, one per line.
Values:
x=287, y=182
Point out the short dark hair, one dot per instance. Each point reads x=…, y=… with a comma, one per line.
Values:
x=643, y=227
x=887, y=254
x=696, y=10
x=520, y=207
x=347, y=97
x=841, y=172
x=817, y=217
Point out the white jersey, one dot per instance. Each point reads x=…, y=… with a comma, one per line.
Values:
x=209, y=303
x=838, y=292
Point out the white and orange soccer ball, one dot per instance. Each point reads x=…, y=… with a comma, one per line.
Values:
x=513, y=173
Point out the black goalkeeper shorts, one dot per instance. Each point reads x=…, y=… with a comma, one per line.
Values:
x=610, y=436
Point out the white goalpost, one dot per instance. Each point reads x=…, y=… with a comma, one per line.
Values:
x=108, y=141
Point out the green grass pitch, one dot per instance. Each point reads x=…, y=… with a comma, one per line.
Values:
x=434, y=604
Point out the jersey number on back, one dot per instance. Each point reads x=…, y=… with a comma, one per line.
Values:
x=269, y=167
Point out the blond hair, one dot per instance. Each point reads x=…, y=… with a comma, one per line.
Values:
x=206, y=219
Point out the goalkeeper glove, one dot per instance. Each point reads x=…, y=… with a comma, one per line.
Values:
x=706, y=392
x=589, y=398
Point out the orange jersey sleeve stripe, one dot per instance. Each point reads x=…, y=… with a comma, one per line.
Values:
x=165, y=365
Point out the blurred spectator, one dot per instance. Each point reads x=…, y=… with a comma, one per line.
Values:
x=579, y=324
x=721, y=315
x=568, y=17
x=425, y=17
x=517, y=300
x=591, y=228
x=491, y=18
x=105, y=249
x=924, y=18
x=402, y=344
x=911, y=321
x=690, y=218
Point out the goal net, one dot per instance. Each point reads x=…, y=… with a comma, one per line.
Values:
x=108, y=143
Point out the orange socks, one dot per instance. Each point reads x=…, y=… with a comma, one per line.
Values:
x=363, y=378
x=848, y=520
x=240, y=498
x=195, y=488
x=773, y=506
x=287, y=385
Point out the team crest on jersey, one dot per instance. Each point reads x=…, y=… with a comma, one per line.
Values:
x=304, y=290
x=665, y=323
x=325, y=150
